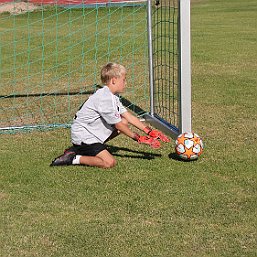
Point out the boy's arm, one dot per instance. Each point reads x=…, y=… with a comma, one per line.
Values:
x=123, y=128
x=133, y=120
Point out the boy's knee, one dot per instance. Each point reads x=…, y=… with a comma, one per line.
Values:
x=110, y=163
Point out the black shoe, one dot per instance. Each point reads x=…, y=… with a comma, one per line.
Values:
x=64, y=159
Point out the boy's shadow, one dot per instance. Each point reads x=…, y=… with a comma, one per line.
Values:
x=134, y=154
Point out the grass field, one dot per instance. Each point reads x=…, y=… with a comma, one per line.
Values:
x=151, y=204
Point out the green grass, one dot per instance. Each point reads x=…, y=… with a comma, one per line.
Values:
x=150, y=204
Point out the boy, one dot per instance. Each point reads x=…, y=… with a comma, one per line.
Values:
x=101, y=118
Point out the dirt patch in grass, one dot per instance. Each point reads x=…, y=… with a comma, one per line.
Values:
x=17, y=8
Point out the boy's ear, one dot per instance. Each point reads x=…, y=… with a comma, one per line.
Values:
x=113, y=80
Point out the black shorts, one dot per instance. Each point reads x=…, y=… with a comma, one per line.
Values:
x=89, y=150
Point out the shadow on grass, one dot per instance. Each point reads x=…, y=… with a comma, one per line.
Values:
x=175, y=157
x=114, y=150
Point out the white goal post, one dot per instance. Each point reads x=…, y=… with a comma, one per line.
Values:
x=183, y=91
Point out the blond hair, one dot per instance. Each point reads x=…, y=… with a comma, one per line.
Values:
x=112, y=70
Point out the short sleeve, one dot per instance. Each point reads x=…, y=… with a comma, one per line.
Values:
x=122, y=108
x=109, y=110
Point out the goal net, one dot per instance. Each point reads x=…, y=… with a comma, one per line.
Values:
x=51, y=52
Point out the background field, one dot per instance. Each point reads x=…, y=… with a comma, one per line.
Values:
x=151, y=204
x=51, y=57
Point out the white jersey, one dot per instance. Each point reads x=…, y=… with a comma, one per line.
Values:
x=94, y=122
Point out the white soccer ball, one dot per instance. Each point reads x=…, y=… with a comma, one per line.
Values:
x=189, y=146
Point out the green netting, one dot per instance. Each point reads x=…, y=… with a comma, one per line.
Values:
x=50, y=58
x=51, y=55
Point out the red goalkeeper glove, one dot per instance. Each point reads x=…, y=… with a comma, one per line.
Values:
x=156, y=134
x=152, y=142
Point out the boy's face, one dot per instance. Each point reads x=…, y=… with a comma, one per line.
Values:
x=120, y=83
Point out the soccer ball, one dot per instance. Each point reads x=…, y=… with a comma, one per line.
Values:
x=189, y=146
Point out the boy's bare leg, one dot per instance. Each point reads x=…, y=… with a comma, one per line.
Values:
x=102, y=160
